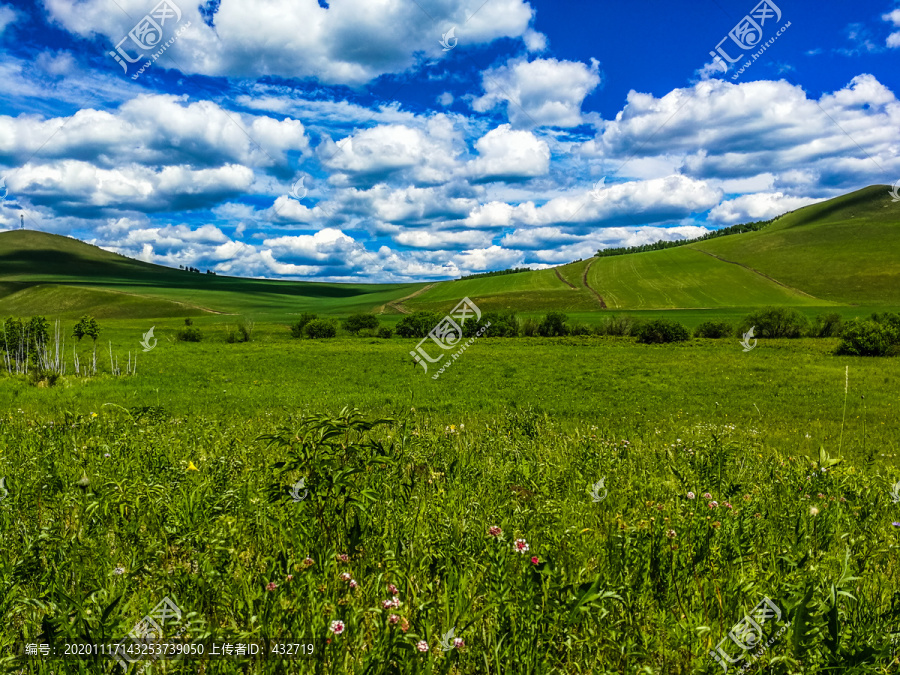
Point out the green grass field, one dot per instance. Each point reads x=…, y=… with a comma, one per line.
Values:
x=583, y=505
x=515, y=435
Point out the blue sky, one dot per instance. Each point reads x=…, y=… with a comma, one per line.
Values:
x=402, y=140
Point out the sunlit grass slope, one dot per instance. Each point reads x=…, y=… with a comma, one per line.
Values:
x=846, y=249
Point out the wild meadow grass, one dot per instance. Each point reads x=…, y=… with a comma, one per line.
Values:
x=471, y=503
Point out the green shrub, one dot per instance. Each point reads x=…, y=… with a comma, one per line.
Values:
x=357, y=322
x=320, y=328
x=637, y=326
x=615, y=325
x=662, y=330
x=827, y=325
x=887, y=318
x=503, y=324
x=529, y=327
x=553, y=325
x=242, y=332
x=385, y=332
x=245, y=330
x=775, y=322
x=188, y=334
x=298, y=326
x=580, y=329
x=868, y=338
x=714, y=330
x=418, y=324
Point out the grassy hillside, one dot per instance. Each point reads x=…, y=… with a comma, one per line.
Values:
x=538, y=290
x=843, y=252
x=682, y=278
x=71, y=301
x=846, y=250
x=133, y=288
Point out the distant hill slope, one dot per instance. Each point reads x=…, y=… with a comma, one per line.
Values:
x=842, y=251
x=30, y=259
x=845, y=251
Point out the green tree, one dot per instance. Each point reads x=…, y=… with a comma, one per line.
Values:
x=553, y=325
x=662, y=330
x=87, y=326
x=320, y=328
x=298, y=326
x=418, y=324
x=357, y=322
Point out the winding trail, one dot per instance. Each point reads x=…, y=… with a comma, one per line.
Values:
x=562, y=279
x=395, y=304
x=589, y=287
x=755, y=271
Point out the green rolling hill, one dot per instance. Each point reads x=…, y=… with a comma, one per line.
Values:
x=63, y=276
x=839, y=253
x=845, y=250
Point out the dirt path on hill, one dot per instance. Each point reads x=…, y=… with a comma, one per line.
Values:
x=396, y=304
x=588, y=286
x=561, y=278
x=755, y=271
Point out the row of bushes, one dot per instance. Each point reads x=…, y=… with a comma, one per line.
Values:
x=311, y=326
x=879, y=335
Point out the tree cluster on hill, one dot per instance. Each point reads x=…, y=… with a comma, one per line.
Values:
x=512, y=270
x=660, y=245
x=195, y=270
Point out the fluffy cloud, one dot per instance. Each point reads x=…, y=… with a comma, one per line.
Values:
x=543, y=92
x=555, y=245
x=762, y=206
x=724, y=130
x=426, y=239
x=893, y=40
x=637, y=202
x=510, y=155
x=155, y=130
x=71, y=186
x=427, y=155
x=351, y=42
